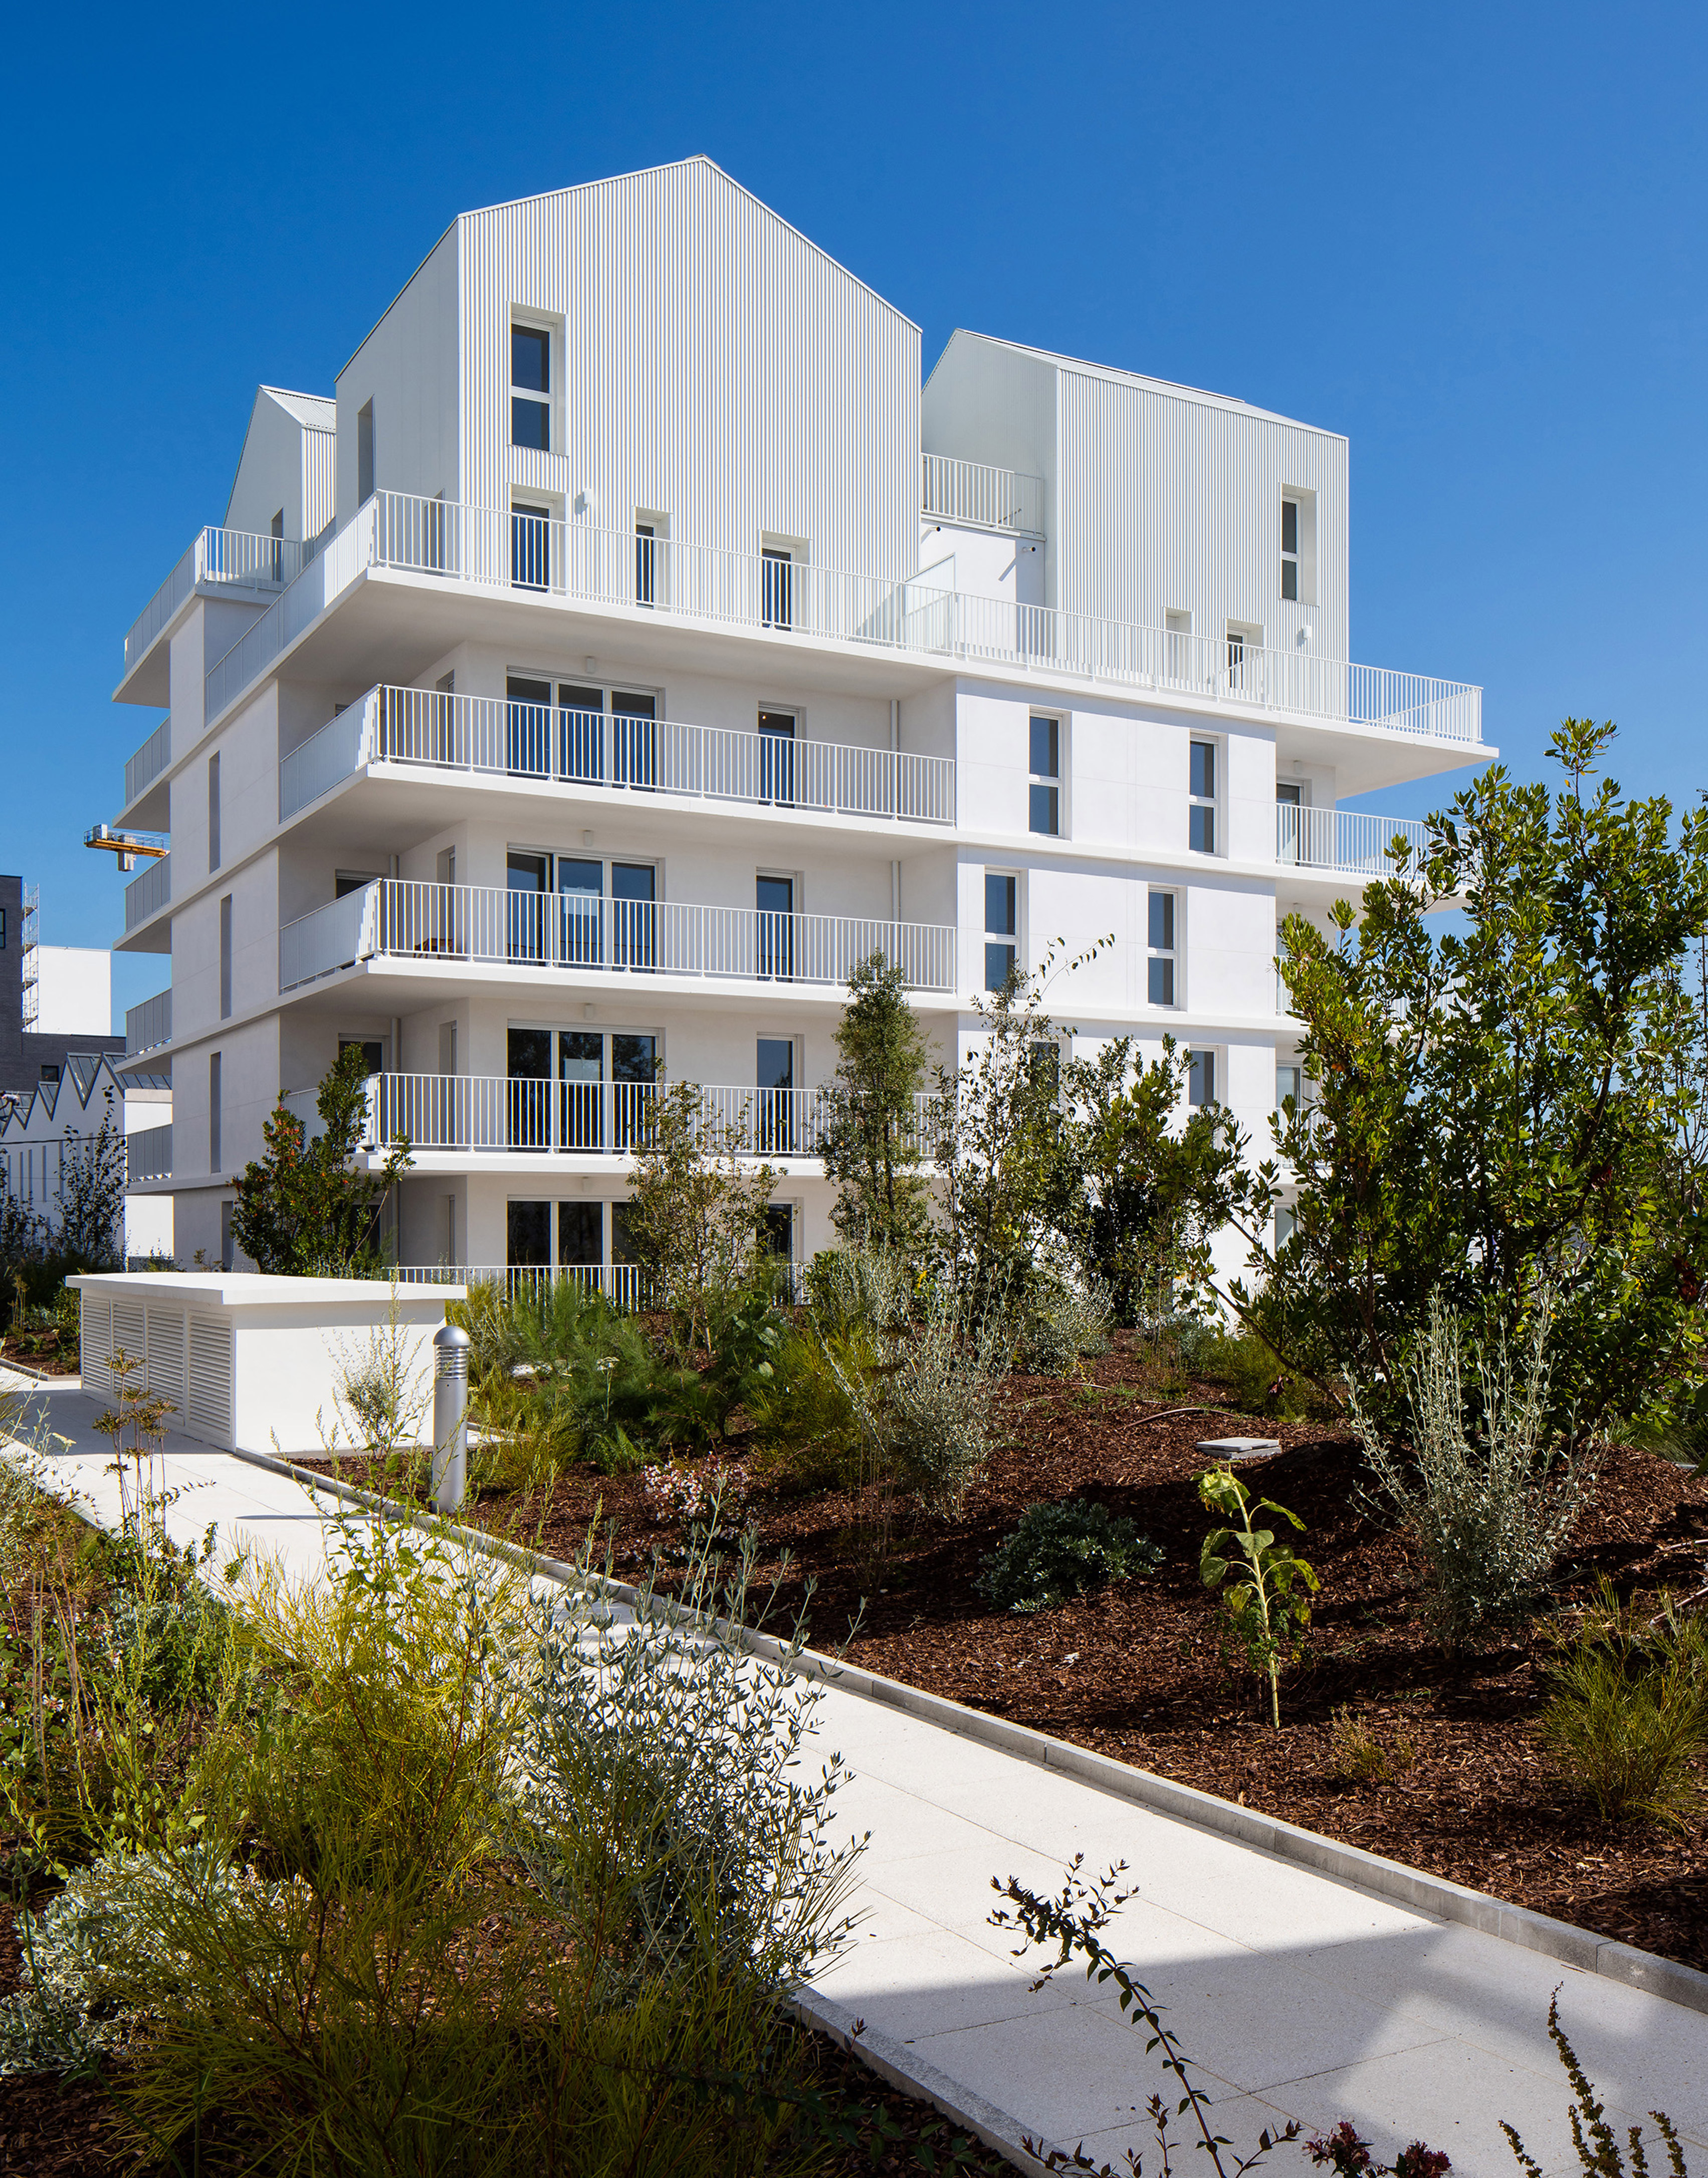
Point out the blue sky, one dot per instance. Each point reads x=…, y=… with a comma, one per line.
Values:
x=1471, y=238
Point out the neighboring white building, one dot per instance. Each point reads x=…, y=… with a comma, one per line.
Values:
x=38, y=1125
x=71, y=993
x=665, y=648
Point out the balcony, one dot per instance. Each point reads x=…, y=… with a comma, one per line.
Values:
x=227, y=558
x=148, y=1155
x=481, y=1113
x=142, y=770
x=574, y=563
x=450, y=925
x=984, y=497
x=1346, y=842
x=147, y=893
x=148, y=1026
x=538, y=741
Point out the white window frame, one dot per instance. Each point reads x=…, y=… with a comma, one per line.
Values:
x=1211, y=801
x=527, y=321
x=1218, y=1058
x=1012, y=938
x=1172, y=954
x=1056, y=780
x=1290, y=559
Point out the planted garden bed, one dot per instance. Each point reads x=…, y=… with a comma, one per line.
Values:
x=1387, y=1743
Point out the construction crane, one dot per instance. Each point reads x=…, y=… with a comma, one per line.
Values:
x=127, y=845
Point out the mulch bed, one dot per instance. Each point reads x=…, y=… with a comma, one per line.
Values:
x=42, y=1350
x=1139, y=1669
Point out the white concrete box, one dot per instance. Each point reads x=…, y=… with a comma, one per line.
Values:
x=252, y=1363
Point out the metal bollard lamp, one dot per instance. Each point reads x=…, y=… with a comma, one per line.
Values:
x=450, y=1416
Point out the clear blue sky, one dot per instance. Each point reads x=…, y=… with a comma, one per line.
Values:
x=1471, y=238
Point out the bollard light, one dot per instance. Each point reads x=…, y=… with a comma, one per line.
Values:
x=450, y=1416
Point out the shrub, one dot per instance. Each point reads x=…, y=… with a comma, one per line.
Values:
x=804, y=1421
x=1487, y=1507
x=1060, y=1551
x=927, y=1407
x=1250, y=1370
x=1627, y=1714
x=1059, y=1322
x=1264, y=1602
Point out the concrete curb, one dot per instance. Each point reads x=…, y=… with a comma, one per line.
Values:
x=1433, y=1895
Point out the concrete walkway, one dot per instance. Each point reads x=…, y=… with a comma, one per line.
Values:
x=1295, y=1994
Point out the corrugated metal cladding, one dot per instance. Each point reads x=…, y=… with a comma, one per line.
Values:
x=319, y=478
x=718, y=368
x=1164, y=501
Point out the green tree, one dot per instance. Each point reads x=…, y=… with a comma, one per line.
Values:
x=870, y=1142
x=304, y=1208
x=1509, y=1108
x=91, y=1226
x=696, y=1219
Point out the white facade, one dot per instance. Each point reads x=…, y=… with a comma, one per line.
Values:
x=672, y=651
x=73, y=990
x=37, y=1126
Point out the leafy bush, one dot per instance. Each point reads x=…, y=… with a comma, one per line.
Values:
x=1626, y=1715
x=1060, y=1551
x=926, y=1408
x=1487, y=1507
x=1265, y=1603
x=1059, y=1322
x=1360, y=1755
x=1250, y=1370
x=804, y=1420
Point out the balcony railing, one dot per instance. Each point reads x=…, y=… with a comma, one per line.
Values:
x=148, y=1154
x=970, y=491
x=485, y=1112
x=625, y=1285
x=233, y=557
x=497, y=736
x=1345, y=841
x=401, y=919
x=142, y=770
x=498, y=548
x=148, y=1026
x=148, y=892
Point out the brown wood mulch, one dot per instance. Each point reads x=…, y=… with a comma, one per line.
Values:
x=1141, y=1670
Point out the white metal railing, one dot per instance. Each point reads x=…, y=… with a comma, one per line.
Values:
x=148, y=1154
x=971, y=491
x=142, y=770
x=499, y=548
x=412, y=920
x=625, y=1285
x=236, y=556
x=485, y=1112
x=148, y=1026
x=498, y=735
x=147, y=892
x=1351, y=840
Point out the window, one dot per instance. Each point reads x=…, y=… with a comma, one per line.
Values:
x=49, y=1074
x=1288, y=822
x=775, y=898
x=777, y=756
x=1045, y=812
x=364, y=453
x=581, y=1235
x=645, y=563
x=216, y=1116
x=213, y=813
x=277, y=534
x=527, y=1235
x=1286, y=1221
x=530, y=388
x=634, y=914
x=776, y=586
x=1201, y=834
x=1288, y=1082
x=1161, y=989
x=226, y=958
x=1001, y=899
x=530, y=546
x=774, y=1132
x=1201, y=1077
x=372, y=1050
x=780, y=1231
x=1289, y=549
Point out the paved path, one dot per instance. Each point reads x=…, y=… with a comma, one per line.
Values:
x=1296, y=1994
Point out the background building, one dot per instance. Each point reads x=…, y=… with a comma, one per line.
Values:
x=39, y=1125
x=54, y=1000
x=634, y=643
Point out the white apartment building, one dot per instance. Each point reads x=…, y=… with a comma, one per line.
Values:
x=634, y=643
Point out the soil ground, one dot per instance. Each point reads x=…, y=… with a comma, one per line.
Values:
x=1142, y=1669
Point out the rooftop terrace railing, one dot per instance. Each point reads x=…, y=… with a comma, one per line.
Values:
x=235, y=556
x=1347, y=842
x=970, y=491
x=534, y=556
x=148, y=1026
x=500, y=737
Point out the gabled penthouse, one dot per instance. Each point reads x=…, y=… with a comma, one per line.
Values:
x=636, y=642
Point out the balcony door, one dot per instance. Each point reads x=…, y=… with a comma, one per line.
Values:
x=777, y=756
x=774, y=1122
x=580, y=732
x=581, y=913
x=530, y=547
x=527, y=727
x=634, y=1073
x=634, y=916
x=580, y=1090
x=775, y=946
x=527, y=877
x=528, y=1093
x=1289, y=823
x=634, y=738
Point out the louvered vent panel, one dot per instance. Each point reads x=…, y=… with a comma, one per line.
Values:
x=130, y=1333
x=166, y=1355
x=98, y=1342
x=208, y=1408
